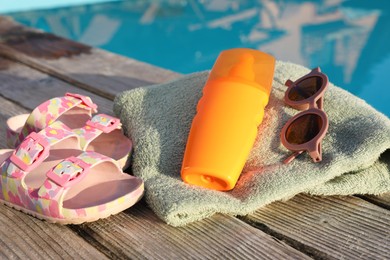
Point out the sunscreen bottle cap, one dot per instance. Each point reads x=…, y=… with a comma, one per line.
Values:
x=251, y=67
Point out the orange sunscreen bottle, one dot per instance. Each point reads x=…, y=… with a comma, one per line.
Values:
x=228, y=114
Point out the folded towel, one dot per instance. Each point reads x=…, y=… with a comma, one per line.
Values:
x=158, y=120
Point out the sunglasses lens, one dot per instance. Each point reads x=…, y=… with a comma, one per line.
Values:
x=304, y=129
x=305, y=89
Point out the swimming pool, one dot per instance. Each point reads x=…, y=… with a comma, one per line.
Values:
x=349, y=40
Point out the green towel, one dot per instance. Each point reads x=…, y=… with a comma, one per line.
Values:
x=158, y=120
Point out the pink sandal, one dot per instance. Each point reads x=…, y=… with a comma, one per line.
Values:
x=48, y=177
x=101, y=133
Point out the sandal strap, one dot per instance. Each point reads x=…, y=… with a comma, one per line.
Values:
x=98, y=124
x=65, y=175
x=34, y=149
x=47, y=112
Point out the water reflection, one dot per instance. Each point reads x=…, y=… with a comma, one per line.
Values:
x=349, y=40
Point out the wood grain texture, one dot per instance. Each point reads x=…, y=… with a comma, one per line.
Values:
x=22, y=236
x=382, y=200
x=98, y=71
x=339, y=227
x=137, y=233
x=29, y=88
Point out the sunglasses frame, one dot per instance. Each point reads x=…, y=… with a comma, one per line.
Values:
x=310, y=105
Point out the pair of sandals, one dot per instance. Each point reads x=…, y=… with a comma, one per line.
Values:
x=67, y=164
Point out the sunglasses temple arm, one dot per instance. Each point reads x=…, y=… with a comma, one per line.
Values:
x=292, y=157
x=289, y=83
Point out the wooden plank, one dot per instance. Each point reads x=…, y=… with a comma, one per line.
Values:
x=117, y=236
x=339, y=227
x=92, y=69
x=382, y=200
x=22, y=236
x=29, y=88
x=137, y=233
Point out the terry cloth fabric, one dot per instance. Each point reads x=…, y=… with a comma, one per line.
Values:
x=158, y=120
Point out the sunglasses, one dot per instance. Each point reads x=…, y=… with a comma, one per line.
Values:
x=305, y=131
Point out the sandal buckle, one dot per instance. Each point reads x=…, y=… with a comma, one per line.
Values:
x=85, y=100
x=104, y=123
x=34, y=149
x=68, y=172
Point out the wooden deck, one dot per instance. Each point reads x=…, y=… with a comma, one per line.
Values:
x=36, y=66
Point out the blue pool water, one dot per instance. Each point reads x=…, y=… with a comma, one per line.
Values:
x=349, y=40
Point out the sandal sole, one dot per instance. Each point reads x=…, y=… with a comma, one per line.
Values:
x=127, y=204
